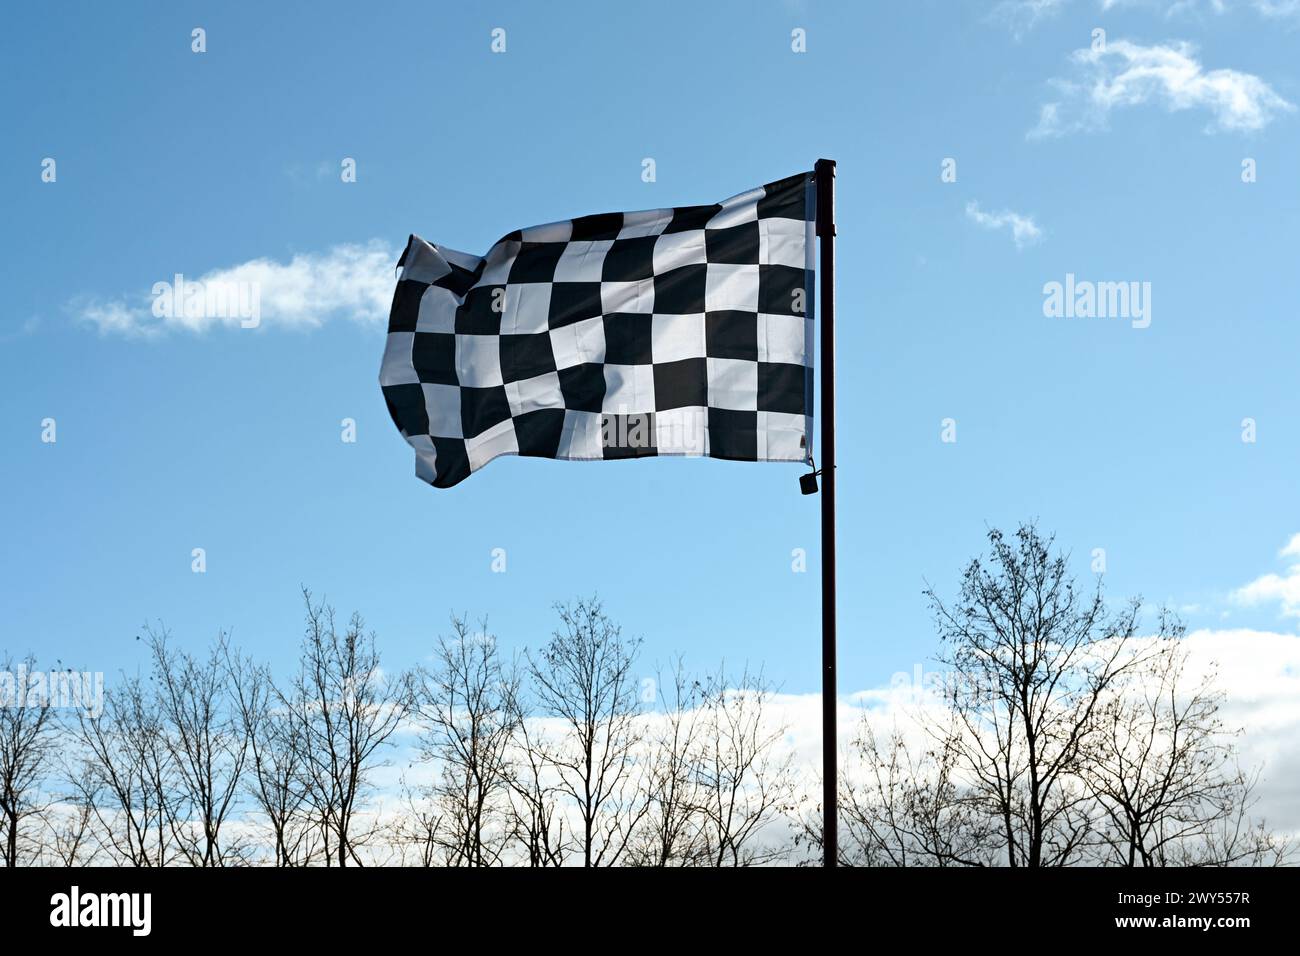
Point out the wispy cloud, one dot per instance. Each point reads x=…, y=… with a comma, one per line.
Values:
x=1024, y=231
x=1280, y=589
x=1125, y=74
x=21, y=329
x=350, y=282
x=1269, y=9
x=1277, y=8
x=1021, y=16
x=1170, y=8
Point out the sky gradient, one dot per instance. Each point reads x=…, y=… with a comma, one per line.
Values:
x=228, y=439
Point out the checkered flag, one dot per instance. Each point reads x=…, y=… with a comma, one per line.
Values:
x=683, y=331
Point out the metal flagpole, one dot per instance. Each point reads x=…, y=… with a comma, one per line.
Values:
x=825, y=177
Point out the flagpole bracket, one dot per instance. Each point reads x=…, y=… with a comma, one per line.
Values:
x=808, y=482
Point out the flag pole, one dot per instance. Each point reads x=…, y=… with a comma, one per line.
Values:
x=824, y=172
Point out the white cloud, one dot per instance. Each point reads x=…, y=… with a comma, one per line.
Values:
x=1024, y=231
x=1126, y=74
x=27, y=327
x=1269, y=9
x=112, y=317
x=1277, y=8
x=1171, y=8
x=1281, y=589
x=347, y=282
x=1021, y=16
x=1291, y=549
x=1258, y=673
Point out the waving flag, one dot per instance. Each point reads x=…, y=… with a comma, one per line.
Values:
x=684, y=331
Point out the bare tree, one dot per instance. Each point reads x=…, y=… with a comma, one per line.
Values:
x=901, y=805
x=343, y=711
x=465, y=707
x=671, y=832
x=123, y=773
x=27, y=740
x=1032, y=661
x=276, y=772
x=70, y=823
x=1235, y=838
x=419, y=827
x=744, y=784
x=536, y=820
x=1058, y=736
x=206, y=743
x=583, y=678
x=1163, y=768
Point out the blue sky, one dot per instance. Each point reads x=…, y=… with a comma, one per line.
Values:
x=228, y=439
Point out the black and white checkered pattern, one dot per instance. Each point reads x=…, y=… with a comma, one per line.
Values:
x=682, y=331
